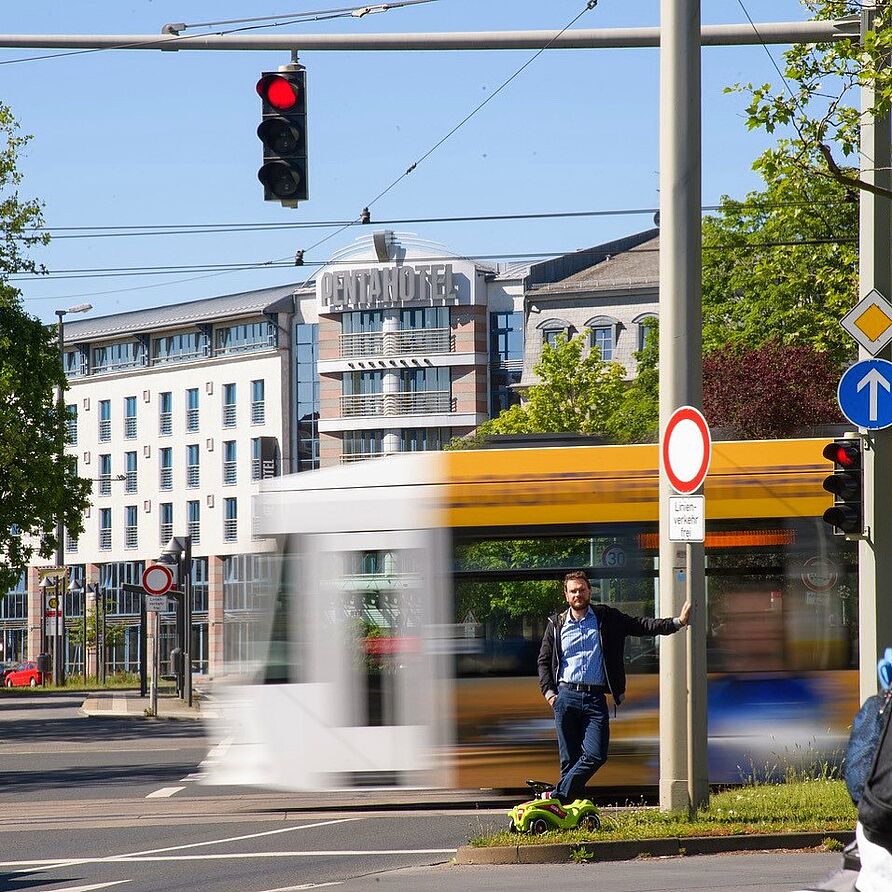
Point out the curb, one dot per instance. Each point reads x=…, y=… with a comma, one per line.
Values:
x=628, y=849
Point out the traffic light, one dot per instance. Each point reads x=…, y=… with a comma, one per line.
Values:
x=847, y=485
x=283, y=132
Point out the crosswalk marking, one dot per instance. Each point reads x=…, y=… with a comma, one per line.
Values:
x=93, y=886
x=164, y=792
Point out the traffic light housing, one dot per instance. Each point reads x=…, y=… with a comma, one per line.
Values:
x=283, y=132
x=847, y=485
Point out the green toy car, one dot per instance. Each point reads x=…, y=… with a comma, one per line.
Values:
x=541, y=815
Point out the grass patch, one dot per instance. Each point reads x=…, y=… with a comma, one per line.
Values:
x=78, y=684
x=812, y=806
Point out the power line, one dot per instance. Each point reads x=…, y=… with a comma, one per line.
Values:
x=179, y=229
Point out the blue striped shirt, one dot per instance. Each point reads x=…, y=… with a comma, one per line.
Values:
x=581, y=659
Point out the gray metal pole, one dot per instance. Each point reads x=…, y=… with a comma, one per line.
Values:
x=577, y=38
x=875, y=551
x=61, y=587
x=156, y=663
x=680, y=361
x=187, y=621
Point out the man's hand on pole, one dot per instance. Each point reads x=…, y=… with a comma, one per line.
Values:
x=685, y=616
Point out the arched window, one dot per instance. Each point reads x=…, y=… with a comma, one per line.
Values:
x=552, y=329
x=603, y=332
x=644, y=322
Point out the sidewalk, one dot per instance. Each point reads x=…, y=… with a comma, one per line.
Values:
x=129, y=704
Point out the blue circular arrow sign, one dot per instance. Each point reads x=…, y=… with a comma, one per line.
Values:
x=865, y=394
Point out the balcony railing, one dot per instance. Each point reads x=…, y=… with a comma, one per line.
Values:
x=191, y=419
x=130, y=484
x=229, y=415
x=105, y=430
x=105, y=484
x=255, y=469
x=166, y=480
x=71, y=431
x=396, y=343
x=193, y=528
x=129, y=428
x=362, y=404
x=105, y=540
x=166, y=533
x=165, y=424
x=258, y=412
x=420, y=402
x=70, y=544
x=229, y=472
x=347, y=457
x=193, y=475
x=130, y=537
x=230, y=530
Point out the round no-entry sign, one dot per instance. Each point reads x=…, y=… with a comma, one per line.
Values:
x=157, y=579
x=686, y=449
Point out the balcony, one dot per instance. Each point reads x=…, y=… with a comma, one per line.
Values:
x=130, y=428
x=255, y=469
x=105, y=430
x=166, y=533
x=166, y=479
x=349, y=457
x=397, y=343
x=191, y=420
x=71, y=432
x=258, y=412
x=193, y=528
x=105, y=484
x=165, y=424
x=419, y=402
x=193, y=476
x=130, y=539
x=229, y=473
x=230, y=530
x=70, y=544
x=130, y=482
x=105, y=540
x=229, y=415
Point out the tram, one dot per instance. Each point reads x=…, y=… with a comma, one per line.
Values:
x=400, y=640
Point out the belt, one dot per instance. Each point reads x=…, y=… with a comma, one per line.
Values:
x=584, y=688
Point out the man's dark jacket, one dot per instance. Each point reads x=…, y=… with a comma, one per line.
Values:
x=613, y=626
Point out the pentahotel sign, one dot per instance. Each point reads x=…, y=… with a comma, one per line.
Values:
x=386, y=286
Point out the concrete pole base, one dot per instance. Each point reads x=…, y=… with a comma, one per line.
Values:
x=674, y=795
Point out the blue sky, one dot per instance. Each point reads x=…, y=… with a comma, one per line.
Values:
x=149, y=138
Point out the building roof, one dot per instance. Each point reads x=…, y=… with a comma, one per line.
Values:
x=632, y=262
x=211, y=309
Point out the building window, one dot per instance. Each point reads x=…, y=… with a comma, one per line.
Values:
x=361, y=333
x=230, y=520
x=104, y=421
x=114, y=357
x=129, y=418
x=255, y=458
x=424, y=439
x=199, y=585
x=505, y=360
x=361, y=445
x=258, y=410
x=70, y=541
x=193, y=475
x=193, y=521
x=105, y=529
x=181, y=347
x=229, y=462
x=14, y=603
x=416, y=318
x=105, y=475
x=602, y=338
x=646, y=325
x=130, y=465
x=363, y=394
x=165, y=414
x=120, y=603
x=362, y=322
x=306, y=337
x=427, y=390
x=130, y=536
x=165, y=458
x=422, y=330
x=192, y=409
x=165, y=521
x=74, y=363
x=229, y=415
x=71, y=424
x=246, y=337
x=553, y=336
x=247, y=582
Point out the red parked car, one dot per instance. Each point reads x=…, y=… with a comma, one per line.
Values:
x=23, y=675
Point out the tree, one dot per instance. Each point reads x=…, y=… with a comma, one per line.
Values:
x=577, y=391
x=818, y=101
x=36, y=485
x=771, y=391
x=636, y=419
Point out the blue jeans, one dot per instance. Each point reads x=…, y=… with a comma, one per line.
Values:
x=583, y=733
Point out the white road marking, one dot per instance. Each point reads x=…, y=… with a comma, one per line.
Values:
x=321, y=853
x=52, y=864
x=164, y=792
x=93, y=886
x=190, y=777
x=304, y=886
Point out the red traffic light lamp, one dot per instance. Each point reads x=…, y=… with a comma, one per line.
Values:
x=283, y=132
x=847, y=485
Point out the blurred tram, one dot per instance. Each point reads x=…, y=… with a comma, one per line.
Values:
x=400, y=640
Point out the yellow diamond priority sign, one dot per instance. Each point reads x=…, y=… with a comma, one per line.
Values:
x=869, y=322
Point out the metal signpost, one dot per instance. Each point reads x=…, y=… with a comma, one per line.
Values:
x=157, y=580
x=685, y=455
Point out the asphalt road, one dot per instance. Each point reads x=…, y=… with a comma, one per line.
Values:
x=89, y=804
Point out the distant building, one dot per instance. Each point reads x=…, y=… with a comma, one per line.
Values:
x=176, y=413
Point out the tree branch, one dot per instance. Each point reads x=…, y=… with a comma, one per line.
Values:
x=849, y=181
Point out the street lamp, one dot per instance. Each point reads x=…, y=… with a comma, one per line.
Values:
x=74, y=590
x=59, y=662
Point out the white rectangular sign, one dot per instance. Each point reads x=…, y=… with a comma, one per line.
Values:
x=687, y=518
x=156, y=603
